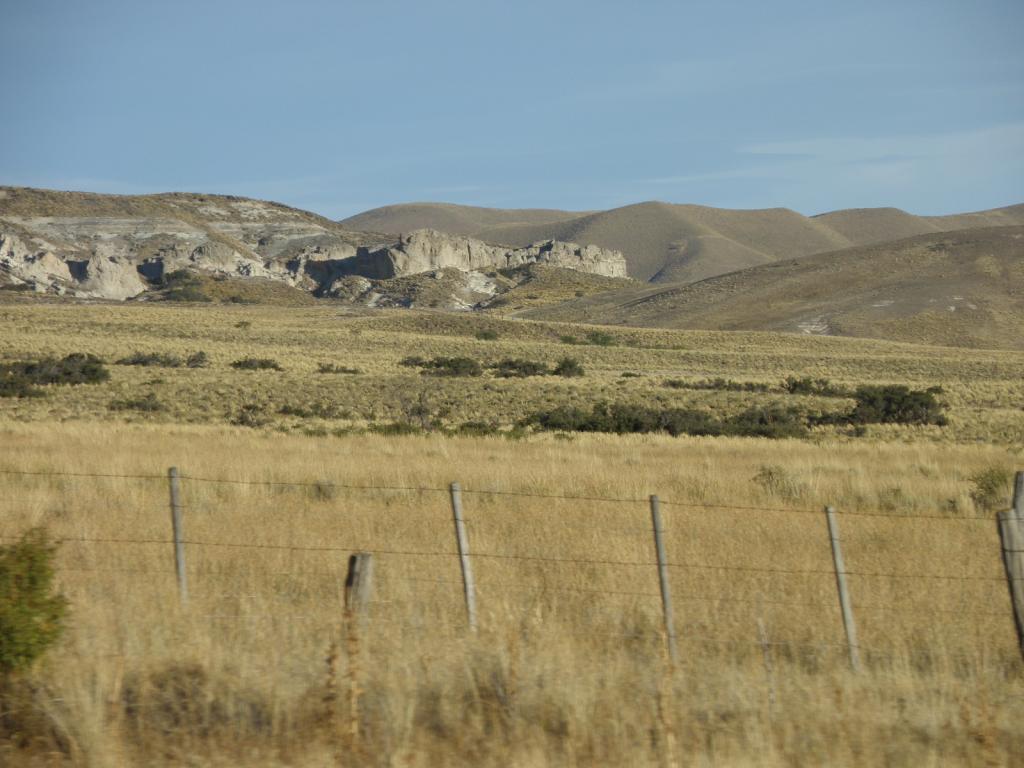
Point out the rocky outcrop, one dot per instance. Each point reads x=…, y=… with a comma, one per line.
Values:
x=427, y=250
x=110, y=247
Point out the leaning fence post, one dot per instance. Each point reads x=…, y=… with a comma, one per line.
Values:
x=358, y=583
x=844, y=595
x=467, y=566
x=1011, y=537
x=666, y=595
x=176, y=527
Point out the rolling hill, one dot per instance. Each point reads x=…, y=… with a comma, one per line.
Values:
x=665, y=243
x=958, y=288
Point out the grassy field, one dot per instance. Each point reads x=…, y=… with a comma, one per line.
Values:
x=568, y=668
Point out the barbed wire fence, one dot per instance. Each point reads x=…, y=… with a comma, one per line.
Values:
x=360, y=575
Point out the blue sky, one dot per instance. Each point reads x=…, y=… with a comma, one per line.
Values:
x=342, y=106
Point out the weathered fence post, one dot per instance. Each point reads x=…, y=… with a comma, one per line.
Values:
x=844, y=595
x=1011, y=537
x=358, y=583
x=666, y=595
x=467, y=567
x=179, y=543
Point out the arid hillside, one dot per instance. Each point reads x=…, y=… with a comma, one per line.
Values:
x=961, y=288
x=663, y=242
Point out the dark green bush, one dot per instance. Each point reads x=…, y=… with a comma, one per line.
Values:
x=896, y=404
x=809, y=386
x=76, y=368
x=156, y=359
x=569, y=368
x=257, y=364
x=250, y=415
x=180, y=278
x=396, y=428
x=16, y=385
x=512, y=368
x=487, y=335
x=477, y=429
x=569, y=339
x=32, y=616
x=626, y=418
x=445, y=366
x=188, y=293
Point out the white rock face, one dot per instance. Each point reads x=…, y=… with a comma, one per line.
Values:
x=122, y=256
x=426, y=250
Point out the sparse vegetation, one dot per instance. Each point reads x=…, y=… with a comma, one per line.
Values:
x=445, y=366
x=257, y=364
x=332, y=368
x=148, y=403
x=157, y=359
x=514, y=368
x=76, y=368
x=32, y=614
x=718, y=384
x=809, y=386
x=569, y=368
x=991, y=488
x=487, y=334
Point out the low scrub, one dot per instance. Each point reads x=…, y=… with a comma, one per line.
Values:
x=445, y=366
x=512, y=368
x=569, y=368
x=257, y=364
x=809, y=386
x=32, y=615
x=152, y=359
x=719, y=384
x=146, y=404
x=331, y=368
x=624, y=418
x=76, y=368
x=897, y=404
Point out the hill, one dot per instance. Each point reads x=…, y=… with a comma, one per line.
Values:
x=664, y=242
x=960, y=288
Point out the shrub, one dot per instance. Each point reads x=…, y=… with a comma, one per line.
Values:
x=151, y=359
x=76, y=368
x=719, y=384
x=511, y=368
x=809, y=386
x=257, y=364
x=487, y=335
x=180, y=278
x=991, y=488
x=776, y=481
x=626, y=418
x=477, y=429
x=600, y=339
x=32, y=616
x=331, y=368
x=396, y=428
x=16, y=385
x=569, y=368
x=568, y=340
x=251, y=415
x=197, y=360
x=188, y=293
x=147, y=404
x=896, y=404
x=445, y=366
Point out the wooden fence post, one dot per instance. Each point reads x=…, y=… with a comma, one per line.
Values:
x=176, y=527
x=666, y=595
x=358, y=583
x=467, y=567
x=844, y=594
x=1011, y=537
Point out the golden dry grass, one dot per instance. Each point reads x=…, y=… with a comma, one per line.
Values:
x=566, y=670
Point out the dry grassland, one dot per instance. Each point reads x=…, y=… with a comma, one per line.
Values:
x=568, y=667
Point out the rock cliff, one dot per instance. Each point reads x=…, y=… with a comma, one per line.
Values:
x=113, y=247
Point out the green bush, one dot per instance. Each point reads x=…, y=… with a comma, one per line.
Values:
x=992, y=488
x=569, y=368
x=396, y=428
x=16, y=385
x=719, y=384
x=896, y=404
x=477, y=429
x=445, y=366
x=32, y=616
x=188, y=293
x=627, y=418
x=150, y=359
x=512, y=368
x=568, y=339
x=809, y=386
x=76, y=368
x=257, y=364
x=487, y=335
